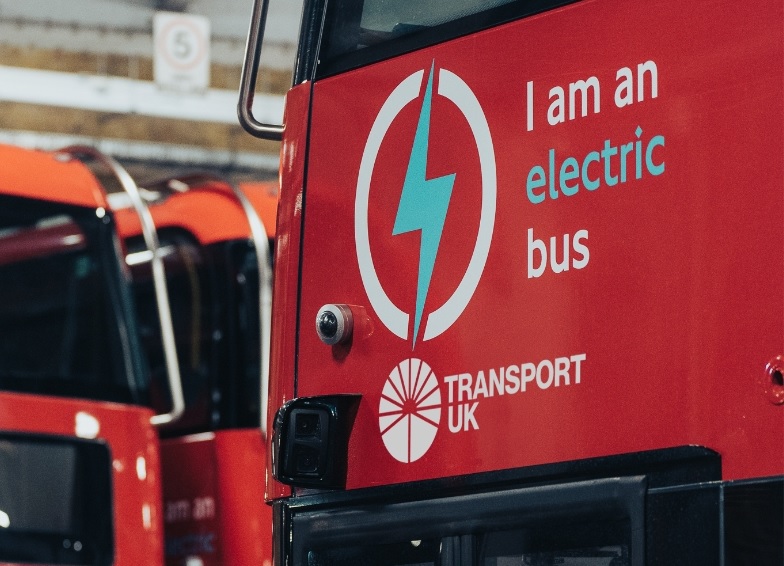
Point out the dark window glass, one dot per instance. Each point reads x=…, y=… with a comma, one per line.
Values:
x=594, y=544
x=754, y=522
x=587, y=523
x=407, y=553
x=55, y=501
x=566, y=544
x=213, y=293
x=360, y=32
x=63, y=324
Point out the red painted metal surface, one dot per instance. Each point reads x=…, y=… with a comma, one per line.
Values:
x=264, y=198
x=39, y=175
x=287, y=250
x=246, y=520
x=190, y=500
x=133, y=444
x=211, y=214
x=214, y=498
x=671, y=301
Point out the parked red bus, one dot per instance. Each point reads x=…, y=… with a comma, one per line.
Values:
x=213, y=458
x=529, y=284
x=79, y=457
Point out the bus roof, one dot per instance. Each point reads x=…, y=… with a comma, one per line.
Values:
x=210, y=215
x=46, y=176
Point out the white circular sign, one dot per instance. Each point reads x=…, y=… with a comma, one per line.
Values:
x=410, y=410
x=457, y=91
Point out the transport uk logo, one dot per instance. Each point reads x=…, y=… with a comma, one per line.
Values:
x=424, y=204
x=410, y=410
x=410, y=406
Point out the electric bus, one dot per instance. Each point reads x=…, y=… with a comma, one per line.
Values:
x=529, y=284
x=79, y=453
x=213, y=458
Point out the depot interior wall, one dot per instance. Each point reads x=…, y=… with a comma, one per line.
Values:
x=40, y=37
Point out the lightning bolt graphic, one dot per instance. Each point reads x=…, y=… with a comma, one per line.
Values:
x=423, y=204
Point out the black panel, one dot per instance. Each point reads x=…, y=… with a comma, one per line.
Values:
x=309, y=38
x=55, y=501
x=684, y=525
x=666, y=467
x=754, y=523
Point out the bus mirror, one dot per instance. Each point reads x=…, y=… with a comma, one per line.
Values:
x=310, y=441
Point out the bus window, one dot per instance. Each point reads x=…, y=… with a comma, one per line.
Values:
x=358, y=33
x=63, y=325
x=595, y=544
x=407, y=553
x=213, y=301
x=592, y=523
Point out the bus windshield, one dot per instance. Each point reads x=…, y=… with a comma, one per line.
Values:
x=359, y=32
x=63, y=327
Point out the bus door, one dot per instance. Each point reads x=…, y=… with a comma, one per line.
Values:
x=213, y=458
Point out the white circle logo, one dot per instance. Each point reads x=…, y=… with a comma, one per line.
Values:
x=425, y=211
x=409, y=410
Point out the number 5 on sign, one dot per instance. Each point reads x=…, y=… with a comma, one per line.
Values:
x=182, y=51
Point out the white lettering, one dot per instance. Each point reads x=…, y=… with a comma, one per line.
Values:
x=469, y=417
x=464, y=386
x=559, y=257
x=512, y=379
x=539, y=381
x=455, y=426
x=480, y=386
x=450, y=380
x=496, y=382
x=528, y=374
x=562, y=371
x=577, y=359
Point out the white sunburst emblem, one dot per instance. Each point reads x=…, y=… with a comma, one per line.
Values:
x=410, y=410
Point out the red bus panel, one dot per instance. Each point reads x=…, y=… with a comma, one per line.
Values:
x=133, y=445
x=560, y=239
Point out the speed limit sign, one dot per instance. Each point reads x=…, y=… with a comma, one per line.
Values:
x=182, y=51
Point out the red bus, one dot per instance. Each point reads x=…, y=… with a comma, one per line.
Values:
x=213, y=457
x=79, y=456
x=529, y=284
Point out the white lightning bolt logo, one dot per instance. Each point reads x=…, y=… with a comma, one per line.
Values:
x=423, y=204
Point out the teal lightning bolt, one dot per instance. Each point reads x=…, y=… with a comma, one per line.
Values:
x=423, y=204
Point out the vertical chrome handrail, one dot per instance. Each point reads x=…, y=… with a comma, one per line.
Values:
x=250, y=67
x=258, y=235
x=150, y=235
